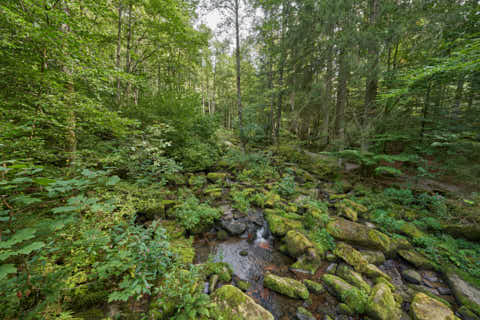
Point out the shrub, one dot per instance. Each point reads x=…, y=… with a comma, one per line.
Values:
x=194, y=216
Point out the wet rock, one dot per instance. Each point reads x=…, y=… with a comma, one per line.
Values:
x=431, y=276
x=444, y=291
x=216, y=176
x=243, y=253
x=313, y=286
x=359, y=234
x=234, y=227
x=243, y=285
x=352, y=277
x=304, y=314
x=233, y=303
x=307, y=264
x=424, y=307
x=351, y=256
x=297, y=243
x=222, y=235
x=343, y=308
x=332, y=268
x=415, y=258
x=412, y=276
x=432, y=293
x=464, y=289
x=345, y=292
x=381, y=304
x=374, y=257
x=279, y=226
x=467, y=314
x=213, y=282
x=286, y=286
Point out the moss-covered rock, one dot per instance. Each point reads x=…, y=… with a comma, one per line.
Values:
x=372, y=271
x=347, y=212
x=422, y=289
x=279, y=225
x=307, y=264
x=286, y=286
x=183, y=248
x=213, y=192
x=243, y=285
x=467, y=314
x=343, y=308
x=424, y=307
x=470, y=231
x=355, y=298
x=417, y=259
x=336, y=285
x=222, y=269
x=297, y=243
x=352, y=277
x=382, y=305
x=304, y=314
x=411, y=231
x=359, y=234
x=465, y=289
x=271, y=199
x=233, y=304
x=351, y=256
x=373, y=257
x=314, y=287
x=216, y=176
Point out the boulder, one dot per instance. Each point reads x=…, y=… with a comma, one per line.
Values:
x=359, y=234
x=352, y=296
x=279, y=225
x=374, y=257
x=467, y=314
x=216, y=176
x=470, y=231
x=411, y=230
x=382, y=305
x=417, y=259
x=351, y=256
x=313, y=286
x=235, y=304
x=352, y=277
x=424, y=307
x=304, y=314
x=307, y=264
x=234, y=227
x=412, y=276
x=297, y=243
x=286, y=286
x=465, y=289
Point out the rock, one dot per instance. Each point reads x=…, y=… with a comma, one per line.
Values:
x=432, y=293
x=470, y=231
x=213, y=192
x=216, y=176
x=352, y=277
x=373, y=271
x=307, y=264
x=331, y=257
x=234, y=227
x=243, y=285
x=213, y=282
x=465, y=290
x=332, y=268
x=412, y=276
x=467, y=314
x=221, y=268
x=352, y=296
x=279, y=226
x=351, y=256
x=304, y=314
x=286, y=286
x=347, y=211
x=313, y=286
x=417, y=259
x=374, y=257
x=222, y=235
x=233, y=303
x=359, y=234
x=343, y=308
x=444, y=291
x=297, y=243
x=411, y=230
x=382, y=305
x=243, y=253
x=357, y=206
x=424, y=307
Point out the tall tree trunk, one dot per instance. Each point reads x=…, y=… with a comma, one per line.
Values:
x=341, y=99
x=128, y=58
x=239, y=93
x=426, y=108
x=283, y=49
x=458, y=95
x=119, y=47
x=328, y=89
x=372, y=78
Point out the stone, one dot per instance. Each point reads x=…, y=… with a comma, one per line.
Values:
x=243, y=253
x=213, y=192
x=417, y=259
x=355, y=298
x=412, y=276
x=432, y=293
x=465, y=289
x=331, y=257
x=352, y=277
x=234, y=227
x=347, y=211
x=297, y=243
x=382, y=305
x=332, y=268
x=359, y=234
x=351, y=256
x=374, y=257
x=222, y=235
x=314, y=287
x=213, y=282
x=235, y=304
x=424, y=307
x=243, y=285
x=279, y=226
x=286, y=286
x=304, y=314
x=372, y=271
x=411, y=231
x=467, y=314
x=343, y=308
x=306, y=264
x=470, y=231
x=444, y=291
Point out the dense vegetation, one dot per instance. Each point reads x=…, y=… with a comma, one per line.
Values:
x=116, y=117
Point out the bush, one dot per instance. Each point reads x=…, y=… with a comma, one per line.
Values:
x=196, y=217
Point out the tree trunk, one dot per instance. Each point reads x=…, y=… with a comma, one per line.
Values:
x=425, y=111
x=239, y=93
x=328, y=89
x=128, y=59
x=341, y=99
x=119, y=46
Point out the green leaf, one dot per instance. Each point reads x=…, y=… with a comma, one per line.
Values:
x=31, y=247
x=6, y=269
x=113, y=180
x=19, y=236
x=43, y=181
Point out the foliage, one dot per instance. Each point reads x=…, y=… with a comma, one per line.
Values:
x=286, y=186
x=195, y=216
x=241, y=200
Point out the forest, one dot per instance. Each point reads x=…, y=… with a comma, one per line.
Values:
x=240, y=159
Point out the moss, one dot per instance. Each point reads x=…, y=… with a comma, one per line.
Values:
x=213, y=192
x=286, y=286
x=381, y=240
x=417, y=259
x=336, y=285
x=385, y=281
x=343, y=308
x=243, y=285
x=308, y=265
x=297, y=243
x=216, y=176
x=466, y=313
x=184, y=250
x=373, y=271
x=410, y=230
x=424, y=307
x=313, y=286
x=374, y=257
x=351, y=256
x=92, y=314
x=222, y=269
x=271, y=199
x=303, y=313
x=465, y=288
x=352, y=277
x=421, y=289
x=279, y=226
x=381, y=303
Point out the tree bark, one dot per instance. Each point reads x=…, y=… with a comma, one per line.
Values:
x=341, y=99
x=119, y=46
x=237, y=54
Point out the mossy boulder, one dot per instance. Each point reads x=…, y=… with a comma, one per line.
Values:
x=304, y=314
x=222, y=269
x=314, y=287
x=382, y=305
x=359, y=234
x=352, y=277
x=351, y=256
x=307, y=264
x=355, y=298
x=243, y=285
x=411, y=231
x=372, y=271
x=336, y=285
x=279, y=225
x=216, y=176
x=297, y=243
x=347, y=212
x=183, y=248
x=373, y=257
x=425, y=290
x=424, y=307
x=467, y=314
x=286, y=286
x=271, y=199
x=213, y=192
x=470, y=231
x=465, y=289
x=417, y=259
x=233, y=304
